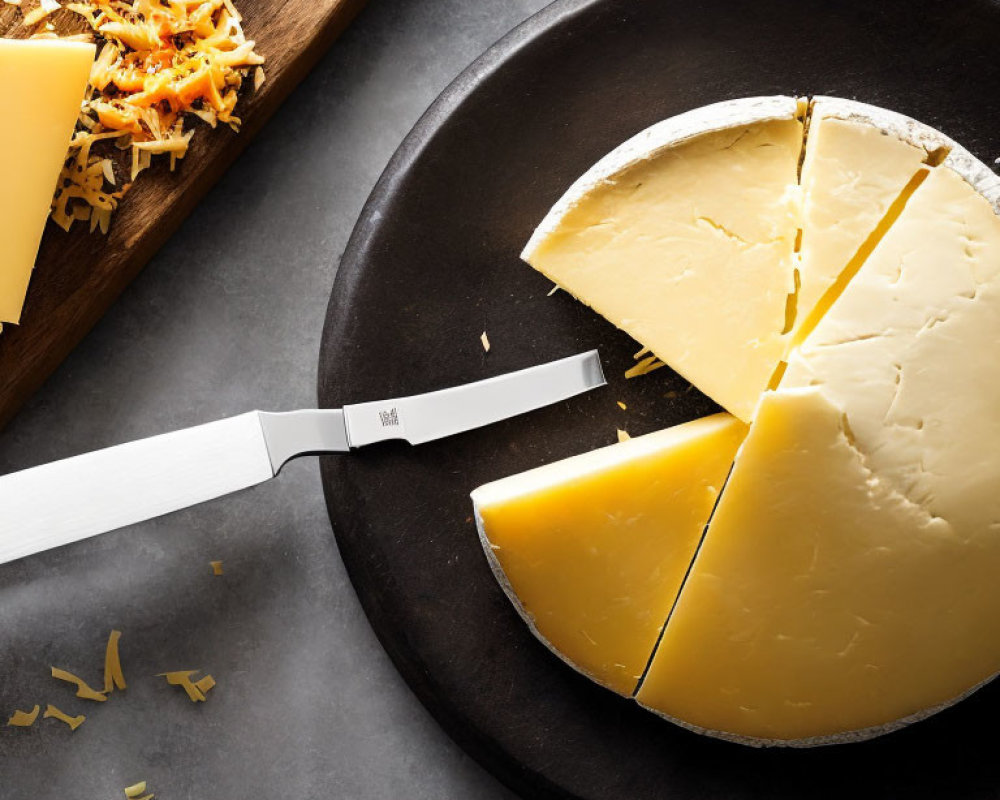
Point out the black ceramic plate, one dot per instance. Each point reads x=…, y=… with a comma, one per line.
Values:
x=434, y=262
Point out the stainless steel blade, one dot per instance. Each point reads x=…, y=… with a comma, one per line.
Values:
x=55, y=504
x=425, y=417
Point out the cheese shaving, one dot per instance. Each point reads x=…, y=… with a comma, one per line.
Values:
x=82, y=689
x=24, y=719
x=216, y=567
x=486, y=341
x=137, y=791
x=114, y=678
x=40, y=12
x=623, y=435
x=196, y=690
x=51, y=712
x=553, y=290
x=640, y=354
x=621, y=405
x=645, y=366
x=162, y=65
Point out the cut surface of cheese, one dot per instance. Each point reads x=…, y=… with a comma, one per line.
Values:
x=822, y=605
x=45, y=81
x=846, y=584
x=906, y=353
x=592, y=550
x=858, y=160
x=685, y=239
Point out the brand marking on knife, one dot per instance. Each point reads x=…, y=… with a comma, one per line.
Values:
x=389, y=418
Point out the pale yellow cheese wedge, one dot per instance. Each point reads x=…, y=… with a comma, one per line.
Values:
x=42, y=84
x=685, y=239
x=823, y=606
x=908, y=352
x=592, y=550
x=858, y=160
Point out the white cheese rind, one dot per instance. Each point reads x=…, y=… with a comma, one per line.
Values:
x=889, y=122
x=653, y=140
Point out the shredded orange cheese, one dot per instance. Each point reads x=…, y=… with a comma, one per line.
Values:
x=196, y=690
x=162, y=65
x=82, y=689
x=114, y=678
x=24, y=719
x=74, y=722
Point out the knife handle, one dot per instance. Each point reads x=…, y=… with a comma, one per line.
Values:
x=65, y=501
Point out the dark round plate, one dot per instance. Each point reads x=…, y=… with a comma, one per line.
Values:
x=433, y=263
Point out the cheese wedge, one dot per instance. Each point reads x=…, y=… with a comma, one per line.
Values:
x=858, y=160
x=905, y=352
x=592, y=550
x=847, y=582
x=814, y=607
x=684, y=237
x=42, y=83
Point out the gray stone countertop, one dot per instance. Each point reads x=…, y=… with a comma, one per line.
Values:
x=225, y=319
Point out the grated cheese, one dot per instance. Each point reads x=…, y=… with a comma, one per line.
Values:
x=621, y=405
x=40, y=12
x=645, y=366
x=486, y=341
x=82, y=689
x=553, y=290
x=162, y=65
x=24, y=719
x=623, y=435
x=216, y=567
x=196, y=690
x=137, y=791
x=51, y=712
x=114, y=678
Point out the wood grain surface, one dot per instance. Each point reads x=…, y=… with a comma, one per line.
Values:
x=78, y=275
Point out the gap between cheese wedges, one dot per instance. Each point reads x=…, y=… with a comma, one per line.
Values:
x=701, y=239
x=879, y=207
x=592, y=550
x=847, y=582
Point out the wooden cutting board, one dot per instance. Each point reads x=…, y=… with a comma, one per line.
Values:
x=78, y=275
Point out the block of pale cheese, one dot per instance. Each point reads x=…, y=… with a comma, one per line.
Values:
x=684, y=237
x=42, y=84
x=858, y=161
x=592, y=550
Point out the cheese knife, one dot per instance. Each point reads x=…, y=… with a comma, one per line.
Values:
x=65, y=501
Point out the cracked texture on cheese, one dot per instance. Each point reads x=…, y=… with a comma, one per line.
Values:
x=905, y=352
x=690, y=250
x=33, y=147
x=592, y=550
x=847, y=582
x=822, y=602
x=852, y=173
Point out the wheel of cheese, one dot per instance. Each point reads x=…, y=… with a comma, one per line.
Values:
x=829, y=272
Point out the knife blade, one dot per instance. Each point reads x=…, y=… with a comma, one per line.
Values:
x=54, y=504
